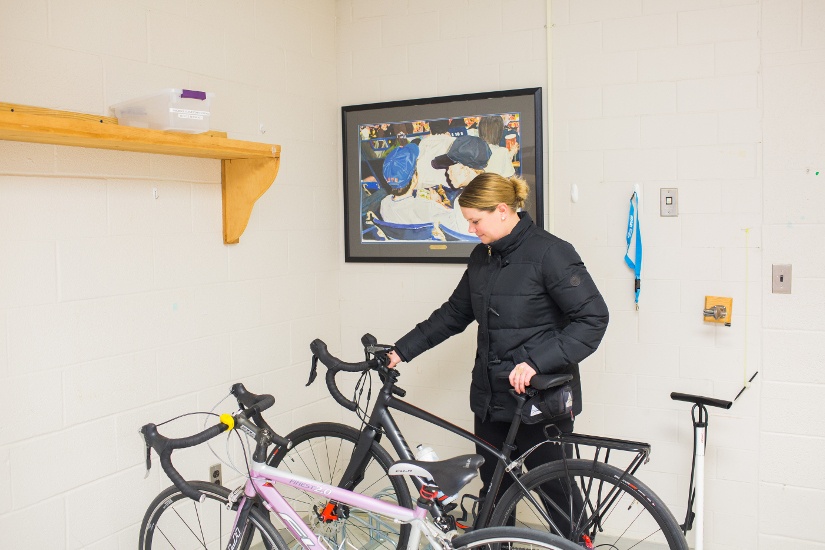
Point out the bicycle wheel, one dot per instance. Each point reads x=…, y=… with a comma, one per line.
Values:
x=511, y=538
x=175, y=521
x=322, y=452
x=592, y=500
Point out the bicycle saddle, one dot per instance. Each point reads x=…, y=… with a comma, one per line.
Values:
x=542, y=381
x=449, y=475
x=546, y=381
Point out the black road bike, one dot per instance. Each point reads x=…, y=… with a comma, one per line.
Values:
x=605, y=506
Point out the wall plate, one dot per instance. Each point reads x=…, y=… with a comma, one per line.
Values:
x=781, y=279
x=215, y=474
x=668, y=202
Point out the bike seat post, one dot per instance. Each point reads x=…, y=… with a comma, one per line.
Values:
x=521, y=399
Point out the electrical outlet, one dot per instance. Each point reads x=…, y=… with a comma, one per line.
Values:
x=215, y=474
x=781, y=279
x=668, y=202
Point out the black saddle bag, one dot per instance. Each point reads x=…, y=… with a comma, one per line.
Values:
x=549, y=405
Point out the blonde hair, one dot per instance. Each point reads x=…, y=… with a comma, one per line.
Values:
x=488, y=190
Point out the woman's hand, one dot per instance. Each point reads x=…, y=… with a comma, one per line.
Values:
x=394, y=359
x=520, y=377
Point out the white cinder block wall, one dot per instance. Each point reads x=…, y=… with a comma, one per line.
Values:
x=717, y=98
x=117, y=309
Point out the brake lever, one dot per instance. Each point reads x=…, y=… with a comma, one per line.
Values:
x=375, y=349
x=148, y=457
x=313, y=372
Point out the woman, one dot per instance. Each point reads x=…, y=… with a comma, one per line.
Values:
x=538, y=311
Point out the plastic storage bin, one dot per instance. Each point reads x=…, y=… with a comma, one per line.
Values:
x=170, y=109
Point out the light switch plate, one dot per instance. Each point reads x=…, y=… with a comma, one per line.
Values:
x=668, y=202
x=781, y=279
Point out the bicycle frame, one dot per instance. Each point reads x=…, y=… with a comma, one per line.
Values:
x=262, y=483
x=381, y=421
x=258, y=496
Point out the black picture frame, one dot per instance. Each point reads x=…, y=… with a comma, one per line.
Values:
x=372, y=131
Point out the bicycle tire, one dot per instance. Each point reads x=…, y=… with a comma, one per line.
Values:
x=507, y=538
x=614, y=502
x=183, y=523
x=322, y=451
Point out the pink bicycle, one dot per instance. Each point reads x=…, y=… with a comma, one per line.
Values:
x=198, y=514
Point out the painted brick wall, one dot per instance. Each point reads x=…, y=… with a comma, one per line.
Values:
x=792, y=433
x=667, y=95
x=720, y=99
x=117, y=309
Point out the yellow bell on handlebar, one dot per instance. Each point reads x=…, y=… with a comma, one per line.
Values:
x=228, y=419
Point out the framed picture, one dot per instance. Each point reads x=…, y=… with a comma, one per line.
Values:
x=406, y=163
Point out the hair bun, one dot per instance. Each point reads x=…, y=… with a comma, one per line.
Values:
x=520, y=189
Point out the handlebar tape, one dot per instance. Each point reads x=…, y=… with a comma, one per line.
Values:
x=336, y=393
x=164, y=447
x=250, y=400
x=319, y=349
x=254, y=404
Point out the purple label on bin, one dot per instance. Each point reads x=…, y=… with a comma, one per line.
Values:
x=193, y=94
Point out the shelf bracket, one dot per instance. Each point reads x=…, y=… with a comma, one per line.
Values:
x=243, y=181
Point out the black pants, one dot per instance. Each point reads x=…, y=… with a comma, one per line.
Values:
x=528, y=435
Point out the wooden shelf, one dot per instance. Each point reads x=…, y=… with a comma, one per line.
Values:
x=248, y=169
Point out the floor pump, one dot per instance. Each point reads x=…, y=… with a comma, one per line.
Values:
x=696, y=491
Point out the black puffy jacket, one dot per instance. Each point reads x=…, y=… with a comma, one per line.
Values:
x=534, y=301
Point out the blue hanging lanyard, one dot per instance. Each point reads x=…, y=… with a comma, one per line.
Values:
x=634, y=233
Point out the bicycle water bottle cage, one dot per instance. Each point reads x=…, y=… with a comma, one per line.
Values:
x=468, y=517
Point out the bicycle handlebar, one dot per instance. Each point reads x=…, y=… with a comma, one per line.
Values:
x=164, y=447
x=250, y=401
x=253, y=405
x=335, y=365
x=319, y=349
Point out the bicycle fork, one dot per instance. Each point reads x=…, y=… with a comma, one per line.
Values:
x=241, y=534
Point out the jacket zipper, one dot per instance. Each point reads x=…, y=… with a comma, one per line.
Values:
x=487, y=309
